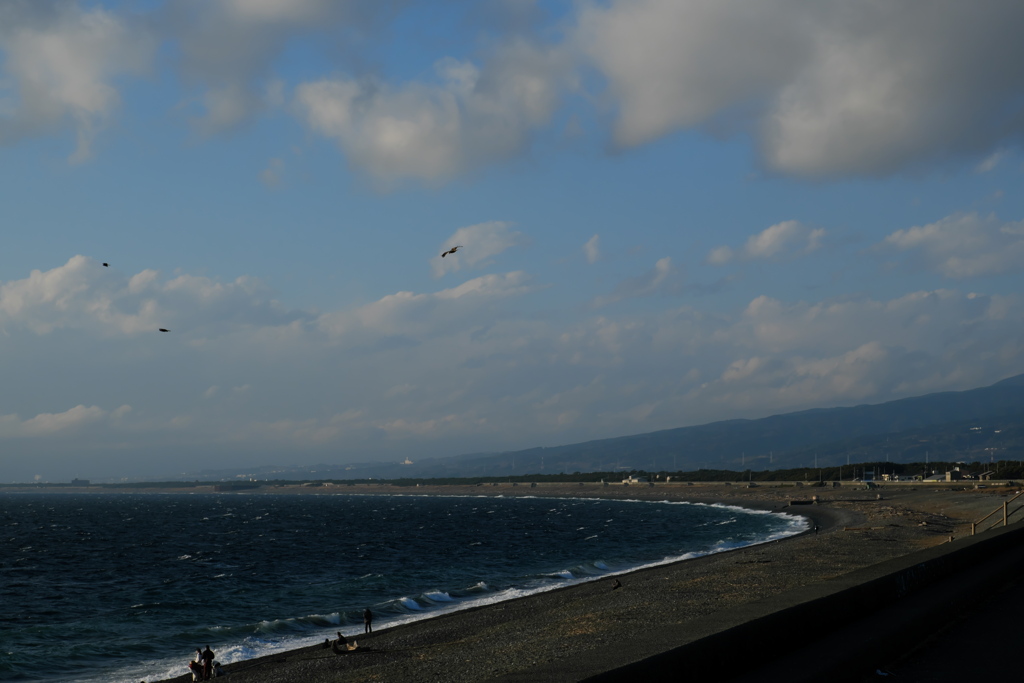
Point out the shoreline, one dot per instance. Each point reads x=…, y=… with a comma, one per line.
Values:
x=585, y=629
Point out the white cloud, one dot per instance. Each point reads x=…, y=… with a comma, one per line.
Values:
x=60, y=65
x=841, y=353
x=278, y=11
x=664, y=278
x=225, y=107
x=227, y=48
x=592, y=249
x=963, y=245
x=479, y=242
x=48, y=424
x=674, y=64
x=82, y=295
x=407, y=313
x=433, y=132
x=991, y=161
x=780, y=240
x=831, y=88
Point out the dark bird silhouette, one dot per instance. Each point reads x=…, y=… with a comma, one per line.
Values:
x=163, y=330
x=451, y=251
x=106, y=265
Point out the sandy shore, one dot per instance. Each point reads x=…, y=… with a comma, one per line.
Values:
x=579, y=631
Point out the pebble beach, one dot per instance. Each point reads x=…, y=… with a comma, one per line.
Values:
x=584, y=630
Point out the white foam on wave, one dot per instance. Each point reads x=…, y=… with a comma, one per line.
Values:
x=409, y=603
x=439, y=596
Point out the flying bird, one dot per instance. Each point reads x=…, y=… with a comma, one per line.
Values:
x=451, y=251
x=164, y=330
x=106, y=265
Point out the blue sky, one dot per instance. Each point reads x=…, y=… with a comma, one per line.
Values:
x=671, y=211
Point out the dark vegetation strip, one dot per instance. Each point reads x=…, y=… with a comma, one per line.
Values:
x=1001, y=470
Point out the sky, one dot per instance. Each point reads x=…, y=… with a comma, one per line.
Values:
x=670, y=212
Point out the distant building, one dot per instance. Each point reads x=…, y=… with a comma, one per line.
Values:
x=407, y=461
x=79, y=482
x=635, y=480
x=956, y=475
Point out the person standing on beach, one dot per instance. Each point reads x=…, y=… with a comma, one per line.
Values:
x=367, y=621
x=207, y=663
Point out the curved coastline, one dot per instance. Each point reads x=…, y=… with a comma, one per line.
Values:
x=574, y=632
x=402, y=639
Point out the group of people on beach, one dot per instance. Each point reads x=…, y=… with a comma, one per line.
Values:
x=203, y=667
x=341, y=645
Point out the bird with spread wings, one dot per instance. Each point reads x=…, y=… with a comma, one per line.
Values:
x=451, y=251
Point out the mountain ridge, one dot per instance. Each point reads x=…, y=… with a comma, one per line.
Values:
x=939, y=425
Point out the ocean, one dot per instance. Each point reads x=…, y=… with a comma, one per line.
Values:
x=124, y=587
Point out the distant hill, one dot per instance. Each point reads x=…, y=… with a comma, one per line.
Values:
x=978, y=424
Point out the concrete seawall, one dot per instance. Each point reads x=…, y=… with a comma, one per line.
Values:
x=842, y=629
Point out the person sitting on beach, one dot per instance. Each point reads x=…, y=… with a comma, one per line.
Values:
x=196, y=668
x=218, y=671
x=341, y=646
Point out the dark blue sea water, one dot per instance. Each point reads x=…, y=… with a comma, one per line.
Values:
x=124, y=587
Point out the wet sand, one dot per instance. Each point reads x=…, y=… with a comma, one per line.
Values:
x=586, y=629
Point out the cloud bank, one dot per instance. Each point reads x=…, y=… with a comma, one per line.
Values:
x=461, y=367
x=828, y=89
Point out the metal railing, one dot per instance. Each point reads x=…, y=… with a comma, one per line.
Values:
x=1004, y=508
